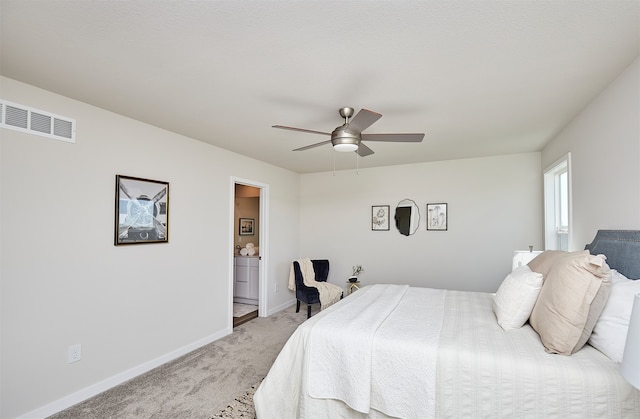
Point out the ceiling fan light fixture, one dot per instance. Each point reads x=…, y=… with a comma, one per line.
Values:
x=344, y=140
x=344, y=148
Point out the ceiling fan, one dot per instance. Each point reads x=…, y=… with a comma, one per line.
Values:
x=349, y=137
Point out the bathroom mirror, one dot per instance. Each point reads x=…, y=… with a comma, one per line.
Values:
x=407, y=217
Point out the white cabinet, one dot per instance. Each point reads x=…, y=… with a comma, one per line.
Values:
x=246, y=275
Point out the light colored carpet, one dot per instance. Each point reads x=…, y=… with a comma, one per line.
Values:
x=202, y=383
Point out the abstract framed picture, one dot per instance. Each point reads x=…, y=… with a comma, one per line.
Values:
x=142, y=211
x=245, y=227
x=380, y=217
x=437, y=217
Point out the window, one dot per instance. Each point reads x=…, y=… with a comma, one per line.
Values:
x=557, y=204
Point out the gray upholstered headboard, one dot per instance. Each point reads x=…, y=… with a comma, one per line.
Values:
x=622, y=249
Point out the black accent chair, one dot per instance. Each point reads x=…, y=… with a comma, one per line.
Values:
x=310, y=295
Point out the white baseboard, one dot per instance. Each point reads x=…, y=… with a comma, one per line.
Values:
x=97, y=388
x=283, y=306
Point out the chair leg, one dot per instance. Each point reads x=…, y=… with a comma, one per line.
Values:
x=308, y=311
x=297, y=306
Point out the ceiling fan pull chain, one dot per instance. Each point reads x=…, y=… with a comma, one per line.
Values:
x=334, y=162
x=357, y=164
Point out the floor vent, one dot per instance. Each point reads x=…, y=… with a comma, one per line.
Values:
x=37, y=122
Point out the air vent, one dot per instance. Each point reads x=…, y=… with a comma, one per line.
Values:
x=37, y=122
x=17, y=117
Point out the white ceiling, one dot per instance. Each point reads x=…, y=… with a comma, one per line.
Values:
x=478, y=77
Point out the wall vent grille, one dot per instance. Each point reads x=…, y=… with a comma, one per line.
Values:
x=37, y=122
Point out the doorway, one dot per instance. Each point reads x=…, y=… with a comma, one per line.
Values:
x=248, y=250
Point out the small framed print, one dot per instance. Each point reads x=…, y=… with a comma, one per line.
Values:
x=437, y=217
x=245, y=227
x=142, y=211
x=380, y=218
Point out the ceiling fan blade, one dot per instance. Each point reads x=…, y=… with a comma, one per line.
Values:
x=307, y=147
x=363, y=150
x=394, y=138
x=363, y=120
x=300, y=129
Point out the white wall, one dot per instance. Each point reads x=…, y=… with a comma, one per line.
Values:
x=604, y=141
x=495, y=207
x=63, y=282
x=130, y=307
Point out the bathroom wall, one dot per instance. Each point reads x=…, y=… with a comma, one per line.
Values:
x=247, y=205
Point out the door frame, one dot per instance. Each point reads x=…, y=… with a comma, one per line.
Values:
x=263, y=245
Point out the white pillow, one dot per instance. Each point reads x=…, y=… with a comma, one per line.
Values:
x=610, y=332
x=617, y=276
x=516, y=297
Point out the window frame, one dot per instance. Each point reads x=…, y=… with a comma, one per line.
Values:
x=556, y=236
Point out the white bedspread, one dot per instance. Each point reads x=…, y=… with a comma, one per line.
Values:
x=484, y=371
x=480, y=371
x=403, y=377
x=379, y=351
x=341, y=344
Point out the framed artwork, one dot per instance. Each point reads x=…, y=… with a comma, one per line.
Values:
x=437, y=217
x=380, y=218
x=245, y=227
x=142, y=211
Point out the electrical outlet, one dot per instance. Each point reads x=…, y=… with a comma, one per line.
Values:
x=74, y=353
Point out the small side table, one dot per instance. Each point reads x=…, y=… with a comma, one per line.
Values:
x=352, y=287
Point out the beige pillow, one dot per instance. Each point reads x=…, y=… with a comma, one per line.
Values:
x=572, y=297
x=545, y=260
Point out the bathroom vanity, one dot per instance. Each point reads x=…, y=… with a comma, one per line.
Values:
x=246, y=274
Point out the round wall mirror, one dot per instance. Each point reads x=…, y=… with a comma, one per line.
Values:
x=407, y=217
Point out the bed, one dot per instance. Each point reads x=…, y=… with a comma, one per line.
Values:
x=408, y=352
